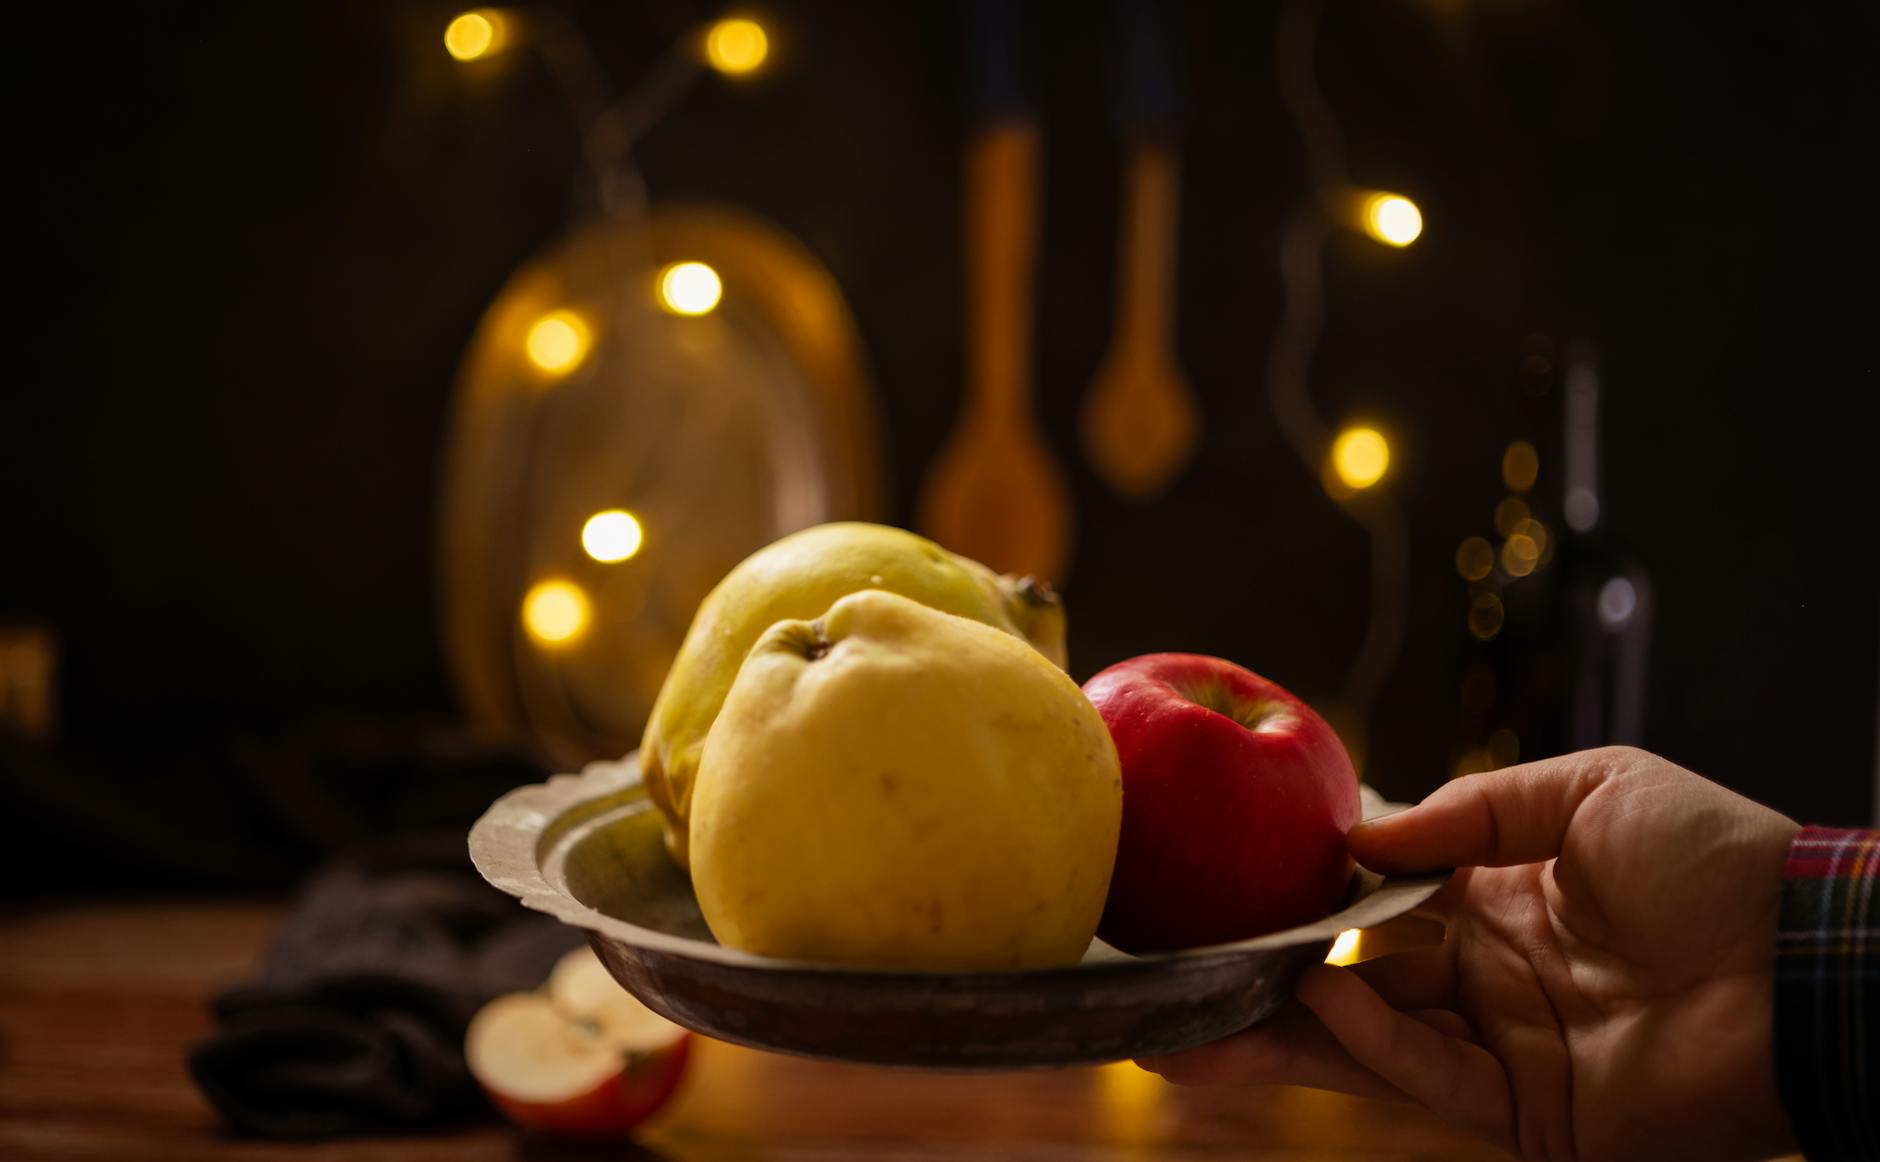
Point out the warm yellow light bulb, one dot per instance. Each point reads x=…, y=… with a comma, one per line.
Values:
x=614, y=535
x=557, y=342
x=690, y=288
x=1345, y=948
x=473, y=35
x=736, y=46
x=1392, y=219
x=1360, y=456
x=555, y=612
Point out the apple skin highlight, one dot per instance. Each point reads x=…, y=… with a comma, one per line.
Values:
x=1236, y=800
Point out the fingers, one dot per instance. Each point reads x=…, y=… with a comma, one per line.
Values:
x=1423, y=979
x=1457, y=1079
x=1292, y=1048
x=1448, y=1022
x=1505, y=817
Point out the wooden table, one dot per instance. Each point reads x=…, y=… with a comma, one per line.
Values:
x=96, y=1004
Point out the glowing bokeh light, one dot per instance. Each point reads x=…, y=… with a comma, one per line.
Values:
x=1392, y=219
x=1485, y=616
x=1582, y=509
x=555, y=612
x=558, y=342
x=1475, y=557
x=614, y=535
x=1132, y=1102
x=1360, y=457
x=1478, y=690
x=689, y=288
x=1504, y=748
x=1618, y=601
x=1519, y=555
x=473, y=35
x=1534, y=531
x=736, y=46
x=1345, y=948
x=1520, y=466
x=1471, y=762
x=1509, y=514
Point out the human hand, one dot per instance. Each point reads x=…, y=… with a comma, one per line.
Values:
x=1604, y=989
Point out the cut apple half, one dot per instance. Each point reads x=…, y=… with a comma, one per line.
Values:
x=582, y=1058
x=581, y=987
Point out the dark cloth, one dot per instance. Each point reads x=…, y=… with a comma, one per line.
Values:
x=357, y=1020
x=1827, y=993
x=254, y=813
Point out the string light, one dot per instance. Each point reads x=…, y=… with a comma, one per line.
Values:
x=1519, y=555
x=1360, y=457
x=1534, y=531
x=1301, y=325
x=1485, y=615
x=1475, y=557
x=1392, y=219
x=1520, y=466
x=1472, y=762
x=555, y=612
x=736, y=47
x=1478, y=690
x=1504, y=747
x=1345, y=948
x=614, y=535
x=1618, y=600
x=476, y=34
x=558, y=342
x=690, y=288
x=1509, y=514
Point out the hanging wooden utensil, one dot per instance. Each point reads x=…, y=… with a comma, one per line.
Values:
x=995, y=492
x=1139, y=420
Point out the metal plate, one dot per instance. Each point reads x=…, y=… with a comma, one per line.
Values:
x=586, y=848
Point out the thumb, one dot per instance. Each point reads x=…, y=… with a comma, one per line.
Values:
x=1515, y=815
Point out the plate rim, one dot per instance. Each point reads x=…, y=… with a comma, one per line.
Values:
x=507, y=845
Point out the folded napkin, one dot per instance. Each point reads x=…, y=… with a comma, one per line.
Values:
x=356, y=1022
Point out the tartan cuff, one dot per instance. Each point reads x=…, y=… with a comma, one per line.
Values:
x=1827, y=992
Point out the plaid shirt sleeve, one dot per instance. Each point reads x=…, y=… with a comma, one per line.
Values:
x=1827, y=993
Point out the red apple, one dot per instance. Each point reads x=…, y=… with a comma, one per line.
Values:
x=582, y=1058
x=1236, y=800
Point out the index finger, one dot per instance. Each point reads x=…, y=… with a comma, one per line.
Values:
x=1497, y=819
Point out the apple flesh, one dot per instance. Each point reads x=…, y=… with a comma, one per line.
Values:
x=582, y=1058
x=1236, y=800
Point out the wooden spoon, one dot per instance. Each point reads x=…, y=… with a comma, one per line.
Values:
x=995, y=492
x=1139, y=417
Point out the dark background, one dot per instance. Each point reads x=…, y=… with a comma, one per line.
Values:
x=255, y=241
